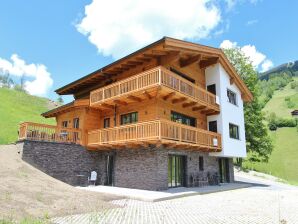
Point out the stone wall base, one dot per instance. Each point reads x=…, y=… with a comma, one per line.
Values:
x=144, y=168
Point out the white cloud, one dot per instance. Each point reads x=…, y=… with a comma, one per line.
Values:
x=39, y=78
x=252, y=22
x=267, y=65
x=230, y=4
x=257, y=58
x=117, y=28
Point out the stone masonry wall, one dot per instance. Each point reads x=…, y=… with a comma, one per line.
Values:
x=69, y=163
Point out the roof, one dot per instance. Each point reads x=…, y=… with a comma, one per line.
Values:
x=159, y=48
x=294, y=112
x=74, y=104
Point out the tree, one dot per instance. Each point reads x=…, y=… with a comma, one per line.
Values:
x=5, y=79
x=60, y=100
x=258, y=142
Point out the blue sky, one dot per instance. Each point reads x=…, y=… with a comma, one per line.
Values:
x=56, y=42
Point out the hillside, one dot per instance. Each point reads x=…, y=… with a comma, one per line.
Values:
x=284, y=158
x=17, y=107
x=278, y=104
x=290, y=68
x=27, y=192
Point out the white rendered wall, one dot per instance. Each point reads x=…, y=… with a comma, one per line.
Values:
x=229, y=113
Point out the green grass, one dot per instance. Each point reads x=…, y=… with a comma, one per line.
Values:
x=18, y=107
x=278, y=105
x=284, y=158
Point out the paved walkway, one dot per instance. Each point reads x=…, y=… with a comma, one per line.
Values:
x=154, y=196
x=264, y=202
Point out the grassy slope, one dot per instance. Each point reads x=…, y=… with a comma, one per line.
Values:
x=284, y=158
x=17, y=107
x=278, y=104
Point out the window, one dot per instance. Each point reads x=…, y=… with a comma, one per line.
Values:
x=182, y=75
x=234, y=131
x=183, y=119
x=212, y=89
x=232, y=97
x=76, y=123
x=213, y=126
x=201, y=163
x=129, y=118
x=64, y=124
x=106, y=122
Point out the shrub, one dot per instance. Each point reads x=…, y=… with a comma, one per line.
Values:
x=285, y=122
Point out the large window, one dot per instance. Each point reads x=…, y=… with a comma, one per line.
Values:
x=64, y=124
x=232, y=97
x=76, y=123
x=106, y=122
x=129, y=118
x=201, y=163
x=183, y=119
x=234, y=131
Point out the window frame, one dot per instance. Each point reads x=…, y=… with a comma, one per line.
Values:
x=109, y=122
x=201, y=163
x=235, y=97
x=237, y=137
x=76, y=123
x=185, y=117
x=130, y=114
x=63, y=124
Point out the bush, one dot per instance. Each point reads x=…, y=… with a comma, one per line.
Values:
x=274, y=122
x=285, y=122
x=294, y=84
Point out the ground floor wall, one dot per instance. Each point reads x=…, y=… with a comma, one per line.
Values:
x=143, y=168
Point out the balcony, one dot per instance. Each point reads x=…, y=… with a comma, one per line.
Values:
x=49, y=133
x=146, y=85
x=159, y=132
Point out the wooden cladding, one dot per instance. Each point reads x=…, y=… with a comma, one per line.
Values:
x=158, y=78
x=49, y=133
x=154, y=132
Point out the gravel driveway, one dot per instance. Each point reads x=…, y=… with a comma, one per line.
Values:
x=266, y=202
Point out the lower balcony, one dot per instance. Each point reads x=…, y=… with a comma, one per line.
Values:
x=50, y=133
x=159, y=132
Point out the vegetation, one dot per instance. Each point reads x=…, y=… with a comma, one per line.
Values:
x=283, y=101
x=258, y=142
x=284, y=158
x=290, y=68
x=16, y=107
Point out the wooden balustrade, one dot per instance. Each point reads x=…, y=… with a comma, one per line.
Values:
x=157, y=130
x=50, y=133
x=154, y=77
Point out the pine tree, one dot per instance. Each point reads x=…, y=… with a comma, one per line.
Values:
x=258, y=142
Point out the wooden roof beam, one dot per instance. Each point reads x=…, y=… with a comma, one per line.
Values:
x=147, y=95
x=169, y=95
x=179, y=100
x=198, y=108
x=209, y=62
x=189, y=104
x=107, y=106
x=190, y=60
x=123, y=103
x=134, y=98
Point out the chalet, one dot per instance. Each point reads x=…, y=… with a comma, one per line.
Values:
x=163, y=116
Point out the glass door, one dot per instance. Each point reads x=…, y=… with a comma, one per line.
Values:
x=224, y=170
x=176, y=171
x=110, y=170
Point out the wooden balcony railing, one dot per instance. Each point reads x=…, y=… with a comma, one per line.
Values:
x=157, y=130
x=50, y=133
x=154, y=77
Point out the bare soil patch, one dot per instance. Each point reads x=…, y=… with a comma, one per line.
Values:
x=27, y=192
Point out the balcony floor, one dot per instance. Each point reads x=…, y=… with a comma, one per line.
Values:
x=162, y=92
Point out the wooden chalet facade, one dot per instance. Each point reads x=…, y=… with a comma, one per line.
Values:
x=156, y=98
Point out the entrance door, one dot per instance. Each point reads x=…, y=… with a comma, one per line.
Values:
x=176, y=171
x=110, y=170
x=224, y=170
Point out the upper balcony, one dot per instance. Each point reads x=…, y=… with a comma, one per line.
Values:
x=159, y=82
